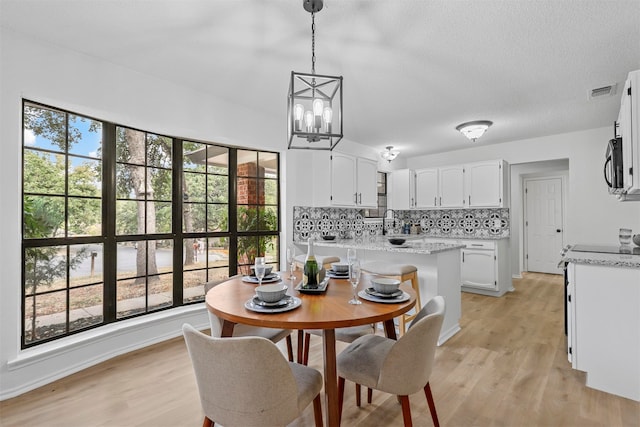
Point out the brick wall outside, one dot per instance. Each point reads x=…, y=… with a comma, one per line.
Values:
x=250, y=189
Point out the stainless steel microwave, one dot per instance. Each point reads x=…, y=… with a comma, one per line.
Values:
x=613, y=170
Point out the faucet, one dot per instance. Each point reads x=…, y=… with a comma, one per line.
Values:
x=384, y=217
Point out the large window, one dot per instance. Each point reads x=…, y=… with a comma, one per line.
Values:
x=120, y=222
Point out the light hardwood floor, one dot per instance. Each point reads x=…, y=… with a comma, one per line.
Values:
x=507, y=367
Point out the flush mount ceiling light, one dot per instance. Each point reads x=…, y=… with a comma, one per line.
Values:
x=389, y=154
x=474, y=130
x=314, y=108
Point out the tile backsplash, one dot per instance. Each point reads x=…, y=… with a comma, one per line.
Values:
x=455, y=223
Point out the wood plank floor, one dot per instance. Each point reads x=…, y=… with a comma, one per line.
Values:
x=507, y=367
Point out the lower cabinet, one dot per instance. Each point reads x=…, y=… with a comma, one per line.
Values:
x=603, y=326
x=484, y=267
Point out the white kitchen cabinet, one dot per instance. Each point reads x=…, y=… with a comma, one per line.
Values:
x=484, y=267
x=426, y=188
x=604, y=326
x=451, y=187
x=344, y=180
x=402, y=189
x=485, y=184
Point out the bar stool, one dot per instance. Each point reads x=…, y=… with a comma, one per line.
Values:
x=402, y=272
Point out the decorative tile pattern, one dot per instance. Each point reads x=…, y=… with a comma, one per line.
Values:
x=453, y=223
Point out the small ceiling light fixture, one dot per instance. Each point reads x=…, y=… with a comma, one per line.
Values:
x=314, y=109
x=474, y=130
x=390, y=154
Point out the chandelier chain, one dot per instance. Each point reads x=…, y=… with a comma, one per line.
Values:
x=313, y=43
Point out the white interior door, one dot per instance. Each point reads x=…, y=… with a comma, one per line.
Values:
x=543, y=224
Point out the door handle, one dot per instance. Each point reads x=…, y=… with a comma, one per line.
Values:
x=558, y=230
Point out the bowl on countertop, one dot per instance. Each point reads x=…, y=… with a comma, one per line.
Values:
x=328, y=237
x=636, y=239
x=271, y=293
x=396, y=240
x=384, y=285
x=340, y=267
x=267, y=270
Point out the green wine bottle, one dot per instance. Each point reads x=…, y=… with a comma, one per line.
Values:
x=310, y=272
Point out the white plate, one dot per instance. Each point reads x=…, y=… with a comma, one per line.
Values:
x=404, y=297
x=286, y=300
x=374, y=293
x=267, y=279
x=294, y=303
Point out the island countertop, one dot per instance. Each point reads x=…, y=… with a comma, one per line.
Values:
x=627, y=260
x=378, y=243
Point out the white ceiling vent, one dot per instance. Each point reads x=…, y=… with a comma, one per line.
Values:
x=603, y=92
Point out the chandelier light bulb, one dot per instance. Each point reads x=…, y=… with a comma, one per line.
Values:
x=298, y=114
x=317, y=112
x=327, y=116
x=308, y=120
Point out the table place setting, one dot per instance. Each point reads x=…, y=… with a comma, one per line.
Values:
x=338, y=270
x=271, y=278
x=385, y=291
x=272, y=299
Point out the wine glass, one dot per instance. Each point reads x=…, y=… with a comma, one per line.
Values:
x=291, y=254
x=351, y=255
x=259, y=268
x=354, y=278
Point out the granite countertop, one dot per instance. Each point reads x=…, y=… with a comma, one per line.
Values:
x=413, y=246
x=630, y=260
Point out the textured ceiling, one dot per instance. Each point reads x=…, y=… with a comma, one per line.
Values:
x=412, y=70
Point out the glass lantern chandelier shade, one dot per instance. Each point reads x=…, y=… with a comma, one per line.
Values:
x=474, y=130
x=314, y=107
x=314, y=111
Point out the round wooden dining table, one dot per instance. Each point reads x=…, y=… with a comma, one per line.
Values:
x=327, y=311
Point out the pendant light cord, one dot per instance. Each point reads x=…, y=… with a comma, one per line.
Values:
x=313, y=43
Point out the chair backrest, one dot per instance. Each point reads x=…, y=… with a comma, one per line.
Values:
x=242, y=381
x=408, y=365
x=215, y=321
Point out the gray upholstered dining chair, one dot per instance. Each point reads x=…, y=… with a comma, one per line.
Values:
x=400, y=367
x=241, y=330
x=245, y=381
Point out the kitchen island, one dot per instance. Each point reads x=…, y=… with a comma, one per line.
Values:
x=438, y=268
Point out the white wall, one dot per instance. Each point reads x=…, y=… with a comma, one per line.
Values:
x=593, y=216
x=85, y=85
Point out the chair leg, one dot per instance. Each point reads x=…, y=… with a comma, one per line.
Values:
x=289, y=348
x=406, y=411
x=357, y=395
x=432, y=405
x=207, y=422
x=317, y=410
x=369, y=395
x=307, y=342
x=340, y=396
x=300, y=356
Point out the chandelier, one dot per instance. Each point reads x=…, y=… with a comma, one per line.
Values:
x=474, y=130
x=389, y=154
x=314, y=108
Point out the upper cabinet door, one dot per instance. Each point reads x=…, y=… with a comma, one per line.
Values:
x=426, y=182
x=401, y=194
x=343, y=180
x=484, y=184
x=367, y=182
x=451, y=185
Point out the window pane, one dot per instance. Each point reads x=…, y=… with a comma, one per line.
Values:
x=51, y=315
x=194, y=187
x=248, y=164
x=130, y=298
x=130, y=146
x=160, y=184
x=43, y=217
x=247, y=218
x=126, y=178
x=160, y=253
x=45, y=128
x=86, y=307
x=85, y=177
x=269, y=161
x=268, y=218
x=131, y=262
x=85, y=136
x=217, y=189
x=85, y=265
x=85, y=216
x=218, y=252
x=269, y=247
x=45, y=269
x=44, y=173
x=163, y=216
x=159, y=151
x=194, y=217
x=160, y=291
x=127, y=217
x=194, y=155
x=270, y=191
x=193, y=256
x=248, y=249
x=218, y=160
x=217, y=217
x=193, y=285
